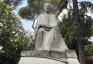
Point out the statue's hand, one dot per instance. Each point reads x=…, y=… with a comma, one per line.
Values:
x=45, y=27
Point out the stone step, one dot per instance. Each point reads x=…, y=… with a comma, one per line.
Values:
x=56, y=55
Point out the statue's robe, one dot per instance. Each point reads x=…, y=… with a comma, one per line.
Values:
x=47, y=35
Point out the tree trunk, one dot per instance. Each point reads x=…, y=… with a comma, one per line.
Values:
x=80, y=44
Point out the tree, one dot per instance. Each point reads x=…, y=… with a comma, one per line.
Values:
x=13, y=38
x=35, y=8
x=77, y=29
x=68, y=30
x=80, y=43
x=12, y=2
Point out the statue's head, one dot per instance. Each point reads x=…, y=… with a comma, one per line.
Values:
x=47, y=7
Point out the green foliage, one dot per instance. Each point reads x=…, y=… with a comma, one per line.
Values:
x=87, y=6
x=62, y=5
x=24, y=12
x=69, y=28
x=89, y=49
x=50, y=1
x=13, y=38
x=35, y=8
x=13, y=2
x=44, y=1
x=53, y=2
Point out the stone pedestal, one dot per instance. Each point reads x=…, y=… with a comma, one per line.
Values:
x=48, y=57
x=33, y=60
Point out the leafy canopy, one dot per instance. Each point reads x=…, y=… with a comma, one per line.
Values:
x=69, y=28
x=35, y=8
x=13, y=38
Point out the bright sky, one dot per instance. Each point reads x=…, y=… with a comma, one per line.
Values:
x=28, y=24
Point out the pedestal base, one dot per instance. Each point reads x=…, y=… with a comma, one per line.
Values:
x=33, y=60
x=48, y=57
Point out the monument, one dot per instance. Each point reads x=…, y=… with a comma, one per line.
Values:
x=49, y=46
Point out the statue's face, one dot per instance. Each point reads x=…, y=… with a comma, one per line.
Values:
x=47, y=7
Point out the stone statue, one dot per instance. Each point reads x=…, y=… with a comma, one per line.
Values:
x=47, y=33
x=49, y=46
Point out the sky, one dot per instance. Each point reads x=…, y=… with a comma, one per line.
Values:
x=27, y=24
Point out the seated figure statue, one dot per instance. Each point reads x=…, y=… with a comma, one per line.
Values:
x=49, y=46
x=47, y=35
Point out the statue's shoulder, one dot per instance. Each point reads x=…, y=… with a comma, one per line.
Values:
x=42, y=15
